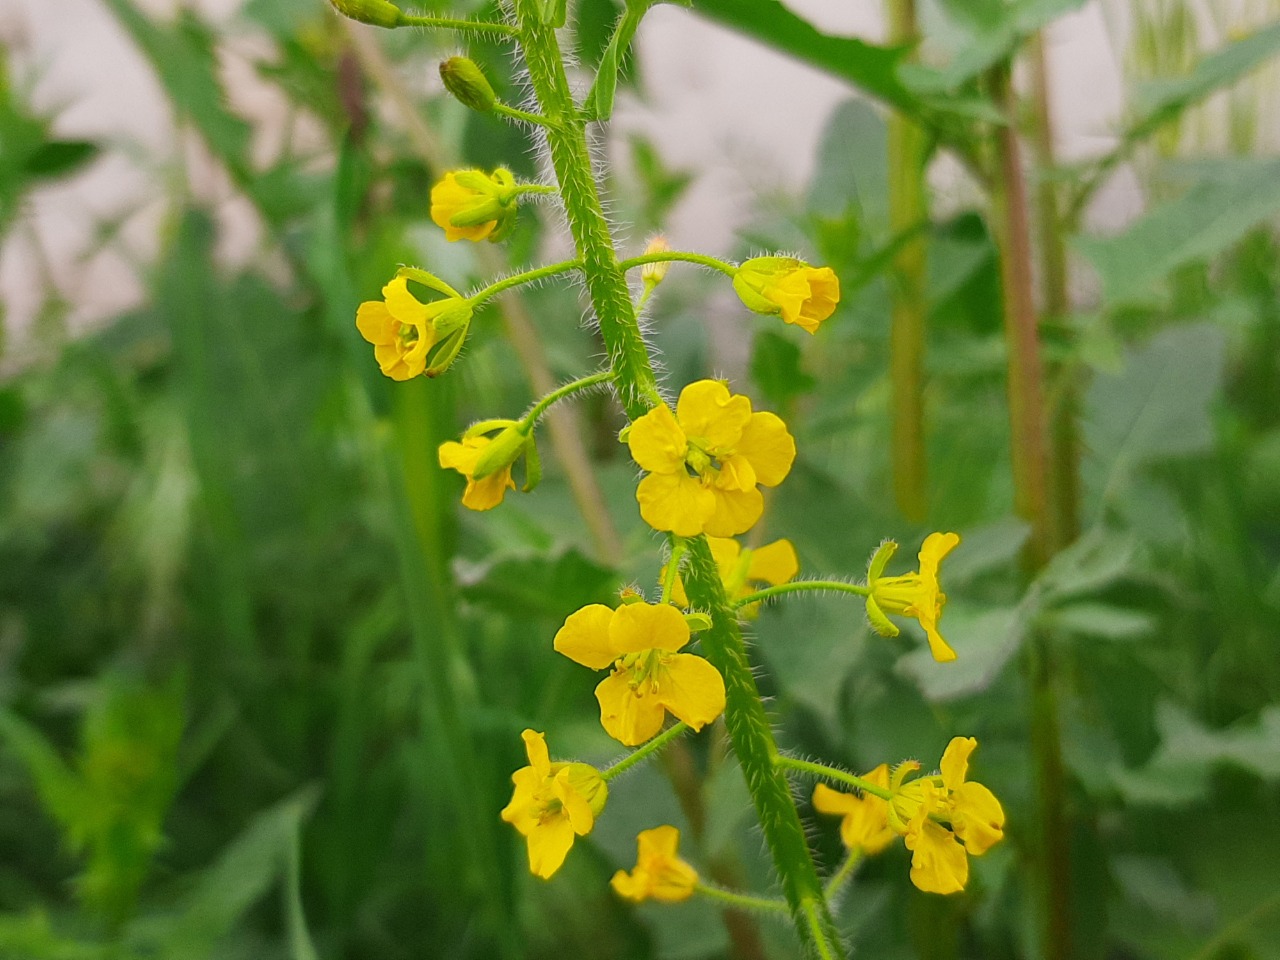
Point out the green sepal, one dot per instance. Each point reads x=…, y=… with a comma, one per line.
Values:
x=532, y=466
x=502, y=451
x=631, y=595
x=879, y=622
x=506, y=222
x=879, y=560
x=698, y=622
x=624, y=433
x=754, y=301
x=418, y=275
x=478, y=213
x=451, y=317
x=487, y=426
x=446, y=353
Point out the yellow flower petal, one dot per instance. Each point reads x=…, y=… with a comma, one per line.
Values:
x=938, y=862
x=834, y=803
x=676, y=502
x=575, y=805
x=692, y=689
x=706, y=410
x=375, y=323
x=584, y=638
x=647, y=626
x=448, y=199
x=659, y=873
x=630, y=716
x=403, y=305
x=535, y=747
x=549, y=845
x=935, y=547
x=734, y=512
x=736, y=473
x=769, y=446
x=955, y=761
x=657, y=443
x=461, y=456
x=774, y=564
x=488, y=493
x=977, y=818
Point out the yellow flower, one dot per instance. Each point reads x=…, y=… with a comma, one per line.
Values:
x=705, y=460
x=639, y=641
x=473, y=205
x=911, y=595
x=486, y=462
x=403, y=330
x=804, y=295
x=553, y=803
x=659, y=874
x=743, y=570
x=945, y=819
x=866, y=818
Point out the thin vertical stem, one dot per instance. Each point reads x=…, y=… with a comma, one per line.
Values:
x=907, y=209
x=1031, y=491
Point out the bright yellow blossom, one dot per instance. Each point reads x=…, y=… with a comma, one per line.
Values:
x=553, y=803
x=473, y=205
x=803, y=295
x=911, y=595
x=743, y=570
x=403, y=330
x=649, y=678
x=945, y=819
x=487, y=492
x=865, y=825
x=705, y=460
x=659, y=874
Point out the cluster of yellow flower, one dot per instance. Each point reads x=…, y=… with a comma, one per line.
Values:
x=704, y=462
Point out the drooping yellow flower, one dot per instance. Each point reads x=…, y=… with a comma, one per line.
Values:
x=945, y=819
x=649, y=678
x=705, y=461
x=474, y=205
x=403, y=330
x=866, y=818
x=487, y=461
x=803, y=295
x=659, y=874
x=911, y=595
x=553, y=803
x=743, y=570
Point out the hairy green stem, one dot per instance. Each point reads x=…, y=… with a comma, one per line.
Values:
x=637, y=387
x=645, y=752
x=834, y=773
x=741, y=901
x=837, y=879
x=800, y=586
x=568, y=390
x=447, y=23
x=517, y=279
x=908, y=155
x=672, y=256
x=506, y=110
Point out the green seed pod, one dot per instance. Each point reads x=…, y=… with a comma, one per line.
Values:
x=465, y=80
x=378, y=13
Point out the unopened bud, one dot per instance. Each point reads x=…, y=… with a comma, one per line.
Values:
x=654, y=273
x=466, y=81
x=378, y=13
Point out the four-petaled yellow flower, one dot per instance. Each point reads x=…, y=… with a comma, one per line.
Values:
x=911, y=595
x=705, y=460
x=403, y=330
x=553, y=803
x=804, y=295
x=865, y=825
x=743, y=570
x=945, y=819
x=473, y=205
x=659, y=874
x=649, y=679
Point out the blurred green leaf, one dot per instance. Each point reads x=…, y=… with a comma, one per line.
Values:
x=551, y=587
x=775, y=369
x=1101, y=620
x=663, y=186
x=1229, y=198
x=62, y=158
x=985, y=640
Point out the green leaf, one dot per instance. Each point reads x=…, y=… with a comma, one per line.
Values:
x=1102, y=620
x=1160, y=100
x=872, y=69
x=58, y=787
x=62, y=158
x=1231, y=198
x=776, y=370
x=1158, y=406
x=551, y=587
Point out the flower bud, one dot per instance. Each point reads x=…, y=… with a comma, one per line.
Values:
x=654, y=273
x=473, y=205
x=378, y=13
x=803, y=295
x=466, y=81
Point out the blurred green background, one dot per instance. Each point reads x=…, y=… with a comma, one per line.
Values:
x=262, y=679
